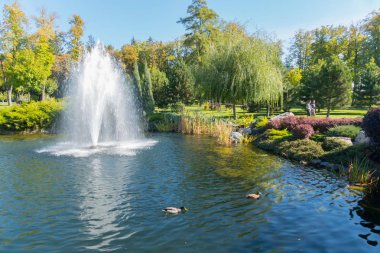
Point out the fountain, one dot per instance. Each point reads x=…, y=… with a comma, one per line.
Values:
x=101, y=115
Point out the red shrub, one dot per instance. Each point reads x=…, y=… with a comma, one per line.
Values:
x=371, y=124
x=318, y=124
x=302, y=131
x=275, y=124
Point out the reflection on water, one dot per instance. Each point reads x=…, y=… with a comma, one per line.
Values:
x=108, y=202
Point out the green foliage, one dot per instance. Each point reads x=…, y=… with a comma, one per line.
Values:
x=318, y=137
x=333, y=144
x=76, y=32
x=178, y=107
x=301, y=150
x=244, y=120
x=160, y=87
x=201, y=25
x=368, y=90
x=30, y=117
x=240, y=68
x=147, y=95
x=360, y=172
x=344, y=156
x=261, y=122
x=271, y=139
x=137, y=81
x=329, y=82
x=181, y=83
x=344, y=131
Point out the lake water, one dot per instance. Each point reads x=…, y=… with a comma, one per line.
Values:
x=112, y=202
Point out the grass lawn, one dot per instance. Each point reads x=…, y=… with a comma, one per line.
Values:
x=227, y=113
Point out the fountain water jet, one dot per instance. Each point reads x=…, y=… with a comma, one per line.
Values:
x=102, y=115
x=102, y=106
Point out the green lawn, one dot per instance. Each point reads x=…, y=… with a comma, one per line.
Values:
x=227, y=113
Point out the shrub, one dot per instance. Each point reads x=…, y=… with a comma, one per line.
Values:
x=302, y=131
x=178, y=107
x=271, y=139
x=275, y=124
x=261, y=122
x=319, y=124
x=273, y=134
x=301, y=150
x=344, y=131
x=318, y=137
x=371, y=124
x=30, y=116
x=330, y=144
x=344, y=156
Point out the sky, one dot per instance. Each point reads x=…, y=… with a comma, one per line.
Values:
x=115, y=22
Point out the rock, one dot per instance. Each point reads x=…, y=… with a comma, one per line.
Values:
x=236, y=137
x=245, y=131
x=282, y=115
x=345, y=139
x=362, y=138
x=315, y=161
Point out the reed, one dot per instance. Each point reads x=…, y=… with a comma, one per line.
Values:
x=360, y=173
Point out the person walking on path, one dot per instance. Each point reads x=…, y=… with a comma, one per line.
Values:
x=308, y=108
x=312, y=106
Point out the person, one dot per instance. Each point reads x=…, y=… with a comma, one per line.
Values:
x=312, y=105
x=308, y=108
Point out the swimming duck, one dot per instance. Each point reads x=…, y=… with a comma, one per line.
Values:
x=174, y=210
x=253, y=195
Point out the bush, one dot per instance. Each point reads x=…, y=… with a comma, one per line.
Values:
x=261, y=122
x=318, y=137
x=271, y=139
x=301, y=150
x=178, y=107
x=302, y=131
x=344, y=156
x=371, y=124
x=30, y=116
x=330, y=144
x=319, y=124
x=344, y=131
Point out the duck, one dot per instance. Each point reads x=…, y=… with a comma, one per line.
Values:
x=253, y=195
x=175, y=210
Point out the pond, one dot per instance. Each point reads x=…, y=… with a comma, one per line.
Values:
x=113, y=202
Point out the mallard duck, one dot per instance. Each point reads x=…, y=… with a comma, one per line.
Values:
x=253, y=195
x=174, y=210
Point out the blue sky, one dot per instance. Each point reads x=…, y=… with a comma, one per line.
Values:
x=117, y=21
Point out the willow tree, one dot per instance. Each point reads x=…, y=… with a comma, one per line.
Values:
x=241, y=68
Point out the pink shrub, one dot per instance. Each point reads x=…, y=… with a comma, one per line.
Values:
x=302, y=131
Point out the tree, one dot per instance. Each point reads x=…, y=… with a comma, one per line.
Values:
x=44, y=57
x=181, y=82
x=129, y=55
x=201, y=27
x=371, y=28
x=329, y=82
x=147, y=95
x=160, y=88
x=136, y=81
x=76, y=32
x=300, y=50
x=292, y=81
x=13, y=39
x=241, y=68
x=369, y=90
x=355, y=58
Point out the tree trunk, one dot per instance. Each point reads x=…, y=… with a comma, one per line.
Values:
x=43, y=93
x=234, y=110
x=268, y=110
x=9, y=95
